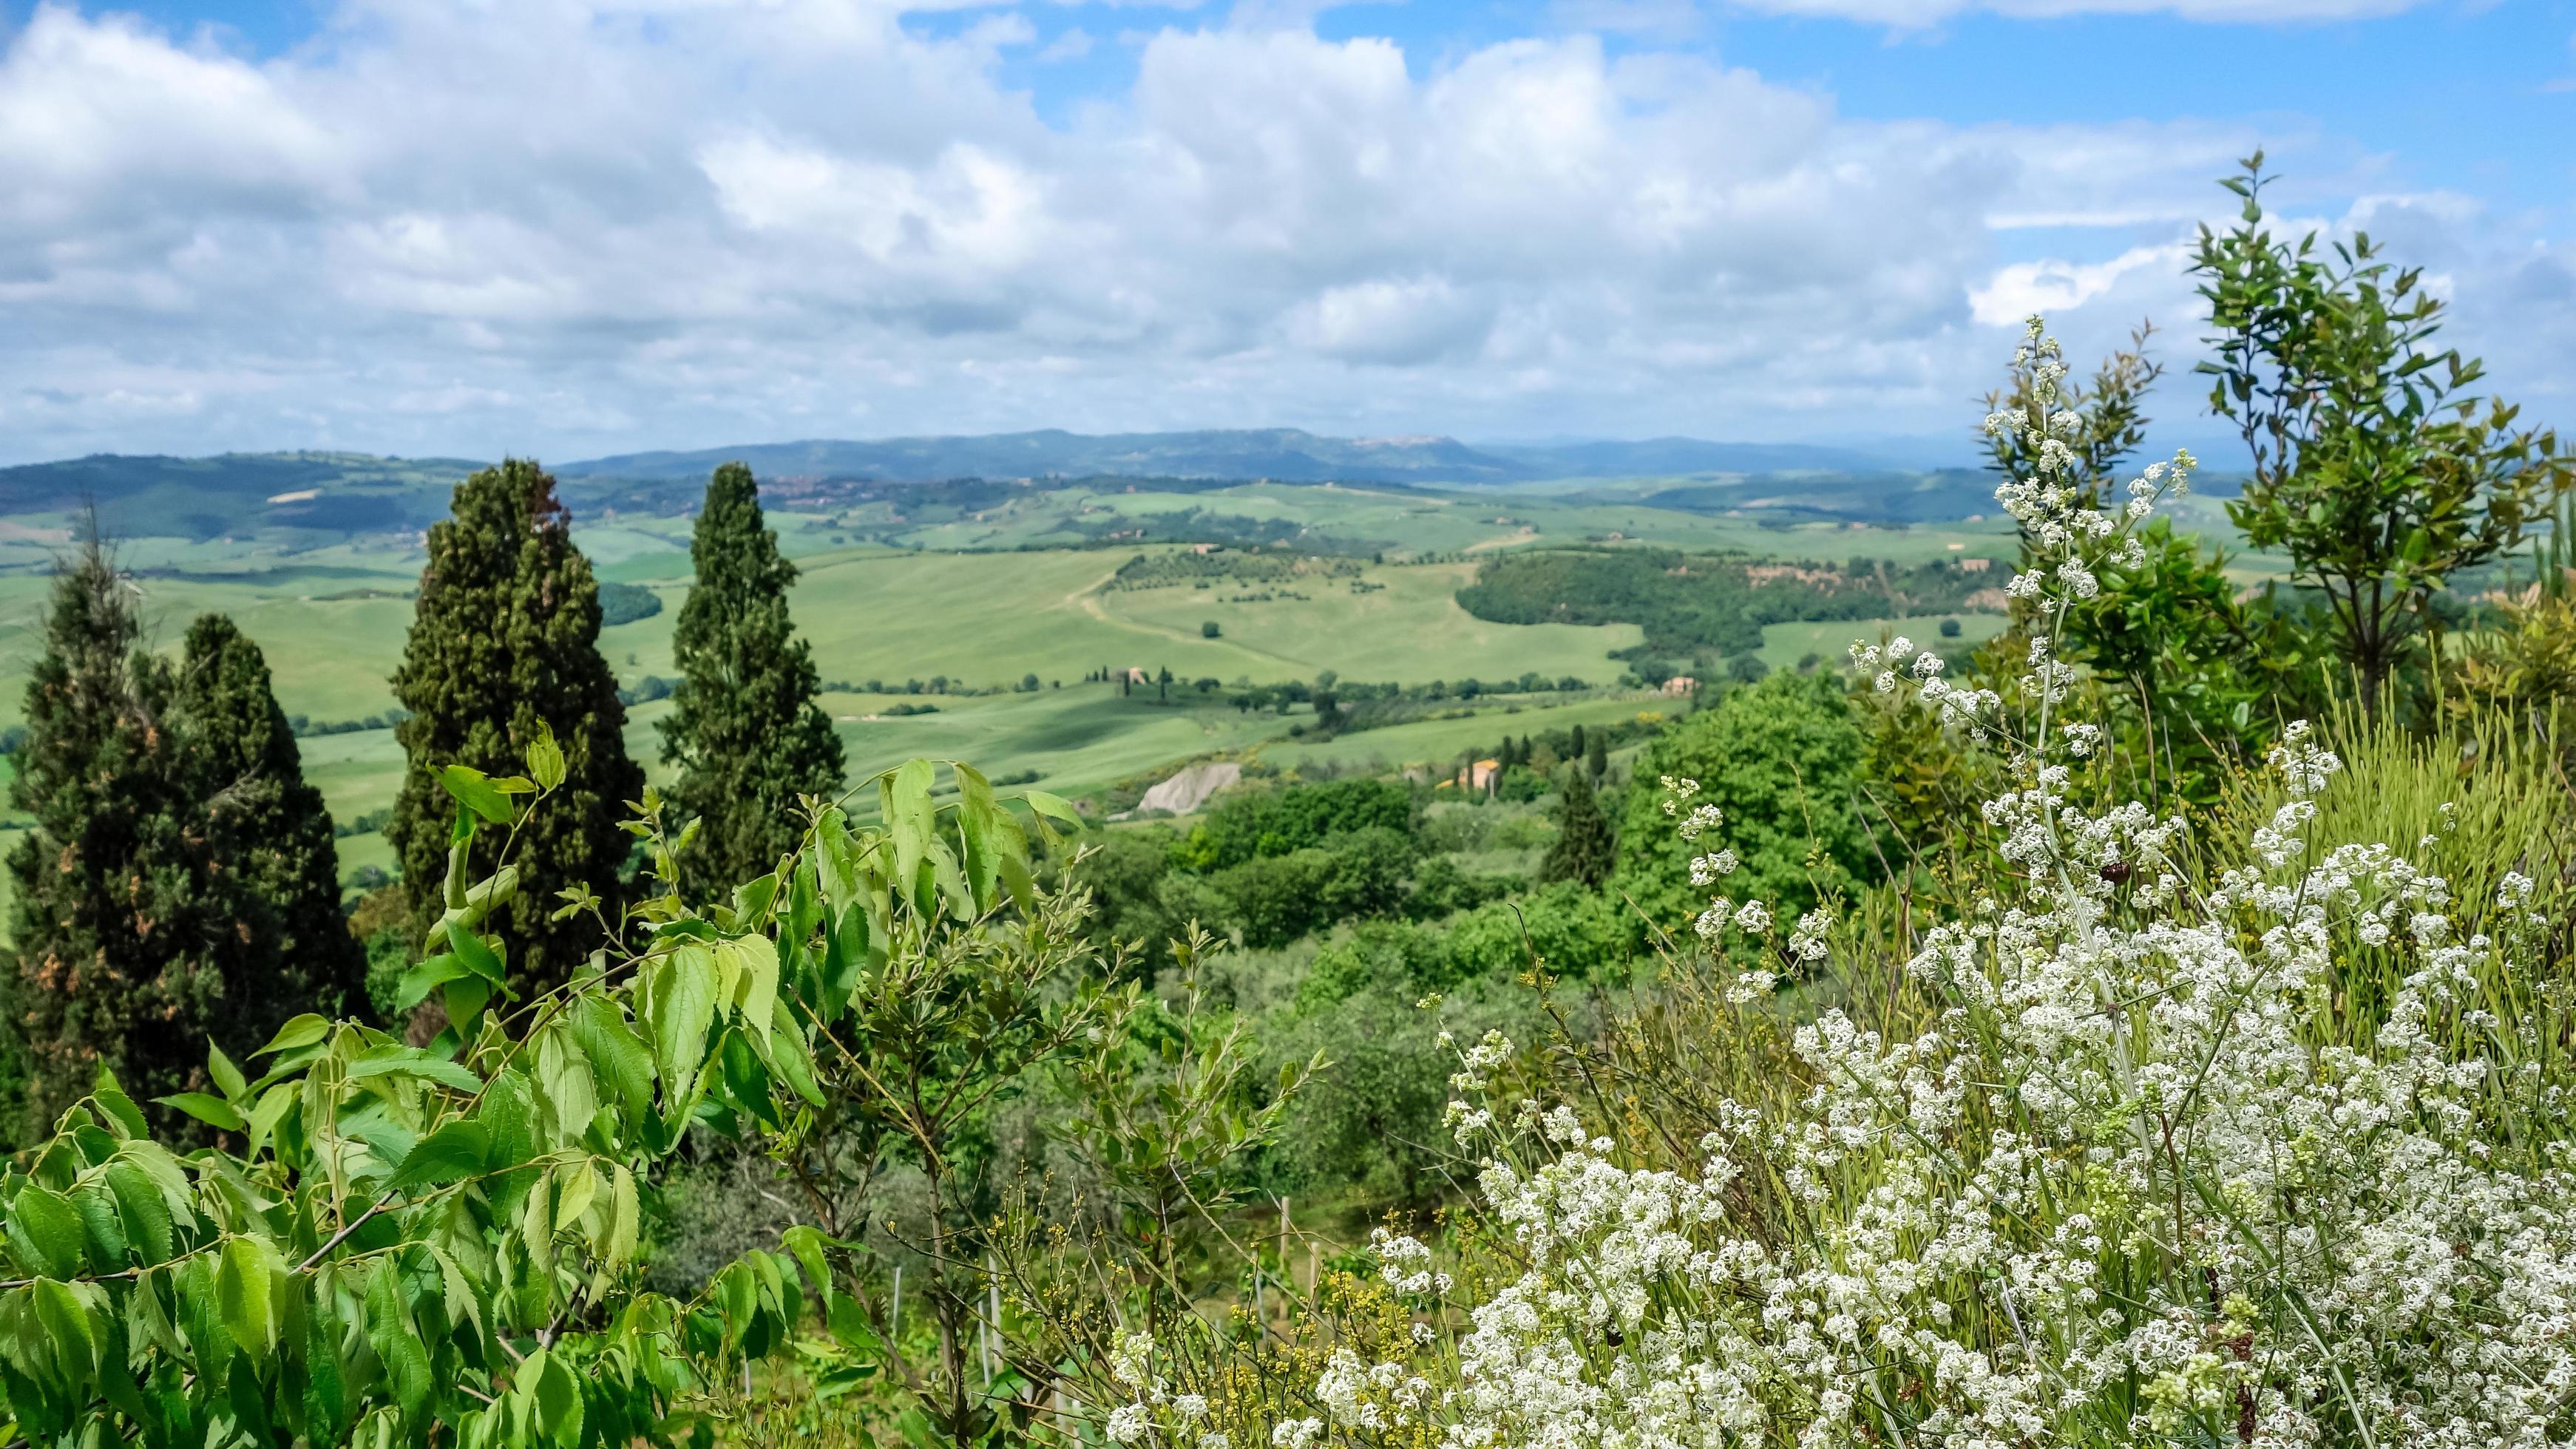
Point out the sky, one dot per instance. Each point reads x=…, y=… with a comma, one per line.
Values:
x=563, y=228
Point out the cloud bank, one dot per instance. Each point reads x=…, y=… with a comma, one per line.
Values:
x=563, y=227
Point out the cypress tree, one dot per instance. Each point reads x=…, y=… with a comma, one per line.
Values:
x=506, y=638
x=744, y=731
x=101, y=892
x=272, y=894
x=1596, y=757
x=1575, y=750
x=180, y=884
x=1584, y=849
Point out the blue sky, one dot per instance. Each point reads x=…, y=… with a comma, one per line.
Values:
x=577, y=226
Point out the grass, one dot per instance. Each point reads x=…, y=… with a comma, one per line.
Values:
x=1407, y=628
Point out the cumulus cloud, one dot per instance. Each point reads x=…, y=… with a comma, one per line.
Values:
x=571, y=226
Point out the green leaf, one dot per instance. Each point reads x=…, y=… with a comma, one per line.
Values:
x=756, y=973
x=545, y=758
x=559, y=1402
x=1054, y=807
x=473, y=790
x=67, y=1325
x=478, y=957
x=413, y=986
x=246, y=1293
x=303, y=1031
x=408, y=1061
x=102, y=1227
x=119, y=1107
x=272, y=1109
x=625, y=1218
x=227, y=1076
x=618, y=1059
x=456, y=1150
x=213, y=1111
x=580, y=1190
x=45, y=1233
x=680, y=1005
x=397, y=1341
x=145, y=1212
x=908, y=816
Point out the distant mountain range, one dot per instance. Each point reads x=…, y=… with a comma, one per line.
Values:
x=1285, y=454
x=305, y=498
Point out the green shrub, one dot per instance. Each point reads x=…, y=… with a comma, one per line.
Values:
x=1782, y=760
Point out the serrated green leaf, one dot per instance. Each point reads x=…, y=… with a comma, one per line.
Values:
x=145, y=1213
x=681, y=1005
x=1054, y=807
x=246, y=1293
x=478, y=956
x=625, y=1218
x=45, y=1233
x=456, y=1150
x=755, y=972
x=66, y=1322
x=120, y=1108
x=545, y=758
x=580, y=1189
x=618, y=1058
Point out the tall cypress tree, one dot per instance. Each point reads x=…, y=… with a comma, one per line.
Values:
x=1584, y=849
x=99, y=913
x=505, y=639
x=744, y=732
x=272, y=892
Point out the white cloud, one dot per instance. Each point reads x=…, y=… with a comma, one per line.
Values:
x=570, y=227
x=2055, y=288
x=1923, y=14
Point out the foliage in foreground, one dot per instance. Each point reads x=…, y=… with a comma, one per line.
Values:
x=394, y=1243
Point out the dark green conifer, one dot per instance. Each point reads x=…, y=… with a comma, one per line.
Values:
x=101, y=885
x=744, y=733
x=1584, y=849
x=1596, y=756
x=506, y=638
x=180, y=883
x=271, y=897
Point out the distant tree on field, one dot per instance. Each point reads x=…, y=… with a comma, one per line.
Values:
x=1584, y=849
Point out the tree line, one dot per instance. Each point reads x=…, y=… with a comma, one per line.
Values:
x=179, y=883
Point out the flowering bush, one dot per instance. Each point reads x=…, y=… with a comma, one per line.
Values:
x=2137, y=1158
